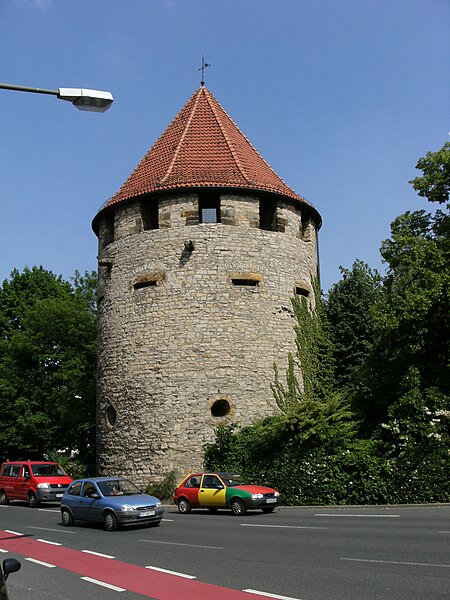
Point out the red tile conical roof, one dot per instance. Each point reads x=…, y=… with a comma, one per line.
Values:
x=202, y=147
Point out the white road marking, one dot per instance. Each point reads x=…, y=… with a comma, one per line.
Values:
x=281, y=526
x=4, y=551
x=98, y=554
x=172, y=572
x=103, y=584
x=180, y=544
x=267, y=595
x=49, y=510
x=48, y=529
x=47, y=542
x=397, y=562
x=364, y=516
x=13, y=532
x=41, y=562
x=167, y=520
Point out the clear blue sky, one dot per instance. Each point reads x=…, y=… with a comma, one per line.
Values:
x=341, y=97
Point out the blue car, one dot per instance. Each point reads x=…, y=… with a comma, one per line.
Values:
x=112, y=500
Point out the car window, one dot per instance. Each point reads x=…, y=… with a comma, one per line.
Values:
x=15, y=470
x=75, y=488
x=193, y=482
x=6, y=471
x=211, y=481
x=25, y=471
x=88, y=489
x=47, y=470
x=231, y=479
x=118, y=487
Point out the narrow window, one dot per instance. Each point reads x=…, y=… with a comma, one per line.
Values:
x=143, y=284
x=220, y=408
x=149, y=213
x=301, y=291
x=209, y=207
x=108, y=229
x=267, y=214
x=111, y=415
x=245, y=282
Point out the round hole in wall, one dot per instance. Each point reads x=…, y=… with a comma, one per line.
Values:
x=220, y=408
x=111, y=415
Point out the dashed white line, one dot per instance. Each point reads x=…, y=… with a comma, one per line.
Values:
x=364, y=516
x=49, y=510
x=98, y=554
x=48, y=542
x=40, y=562
x=172, y=572
x=267, y=595
x=48, y=529
x=281, y=526
x=180, y=544
x=13, y=532
x=4, y=551
x=397, y=562
x=115, y=588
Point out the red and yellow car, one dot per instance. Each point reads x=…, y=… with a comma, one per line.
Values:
x=223, y=490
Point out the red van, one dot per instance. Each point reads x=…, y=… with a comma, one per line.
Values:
x=33, y=481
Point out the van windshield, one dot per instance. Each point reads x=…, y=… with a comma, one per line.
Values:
x=48, y=470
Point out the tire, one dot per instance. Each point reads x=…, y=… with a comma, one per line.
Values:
x=66, y=517
x=268, y=509
x=3, y=497
x=184, y=506
x=237, y=507
x=110, y=521
x=33, y=502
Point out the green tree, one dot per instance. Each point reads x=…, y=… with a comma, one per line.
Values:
x=47, y=365
x=348, y=309
x=434, y=184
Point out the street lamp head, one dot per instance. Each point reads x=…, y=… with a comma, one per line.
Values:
x=83, y=99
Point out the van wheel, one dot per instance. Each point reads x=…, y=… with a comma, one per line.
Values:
x=33, y=502
x=3, y=497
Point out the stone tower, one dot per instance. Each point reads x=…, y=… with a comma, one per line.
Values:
x=200, y=252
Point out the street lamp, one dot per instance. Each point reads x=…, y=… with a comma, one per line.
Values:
x=83, y=99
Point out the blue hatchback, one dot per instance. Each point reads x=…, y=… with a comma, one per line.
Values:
x=112, y=500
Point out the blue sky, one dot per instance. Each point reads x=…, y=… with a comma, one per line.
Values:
x=341, y=97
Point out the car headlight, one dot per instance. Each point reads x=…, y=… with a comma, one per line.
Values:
x=127, y=507
x=158, y=503
x=256, y=496
x=43, y=485
x=276, y=494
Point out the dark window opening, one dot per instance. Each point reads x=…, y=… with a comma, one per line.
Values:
x=109, y=229
x=209, y=207
x=300, y=291
x=149, y=213
x=143, y=284
x=220, y=408
x=111, y=415
x=267, y=214
x=247, y=282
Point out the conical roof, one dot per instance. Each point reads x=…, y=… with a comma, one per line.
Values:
x=202, y=147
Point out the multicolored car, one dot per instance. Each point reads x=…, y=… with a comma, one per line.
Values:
x=223, y=490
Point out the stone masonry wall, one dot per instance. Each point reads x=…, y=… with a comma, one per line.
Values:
x=177, y=333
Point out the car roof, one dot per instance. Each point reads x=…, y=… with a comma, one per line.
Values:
x=30, y=462
x=99, y=479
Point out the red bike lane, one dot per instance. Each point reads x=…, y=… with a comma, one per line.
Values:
x=153, y=584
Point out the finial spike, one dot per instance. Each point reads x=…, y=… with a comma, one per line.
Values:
x=202, y=69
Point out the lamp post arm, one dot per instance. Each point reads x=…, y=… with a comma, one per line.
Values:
x=24, y=88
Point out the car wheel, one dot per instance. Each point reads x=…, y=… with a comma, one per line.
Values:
x=110, y=521
x=184, y=506
x=3, y=497
x=66, y=517
x=32, y=500
x=268, y=509
x=237, y=507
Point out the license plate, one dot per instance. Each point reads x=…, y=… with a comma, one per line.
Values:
x=59, y=495
x=270, y=500
x=146, y=513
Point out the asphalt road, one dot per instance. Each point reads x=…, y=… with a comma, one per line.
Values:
x=369, y=553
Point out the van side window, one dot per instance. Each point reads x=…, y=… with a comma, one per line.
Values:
x=6, y=471
x=25, y=471
x=15, y=470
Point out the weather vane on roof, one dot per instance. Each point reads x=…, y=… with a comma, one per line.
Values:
x=202, y=69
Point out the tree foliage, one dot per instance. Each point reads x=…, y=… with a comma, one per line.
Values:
x=47, y=365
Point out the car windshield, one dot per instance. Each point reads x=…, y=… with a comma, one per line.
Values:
x=118, y=487
x=231, y=479
x=47, y=470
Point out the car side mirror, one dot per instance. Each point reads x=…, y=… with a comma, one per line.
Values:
x=219, y=486
x=27, y=476
x=10, y=565
x=94, y=495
